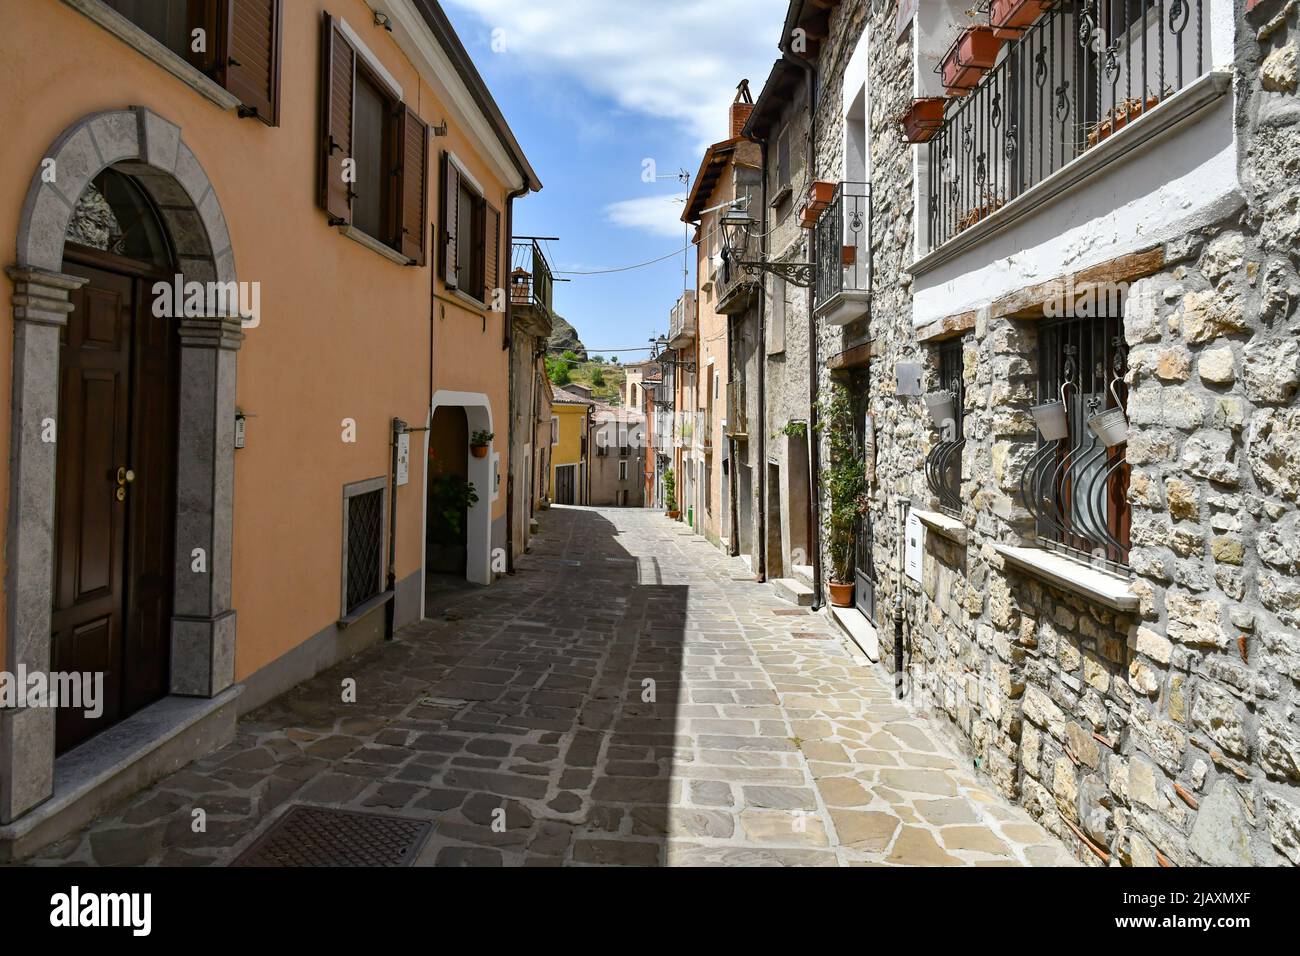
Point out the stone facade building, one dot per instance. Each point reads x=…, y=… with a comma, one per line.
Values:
x=1067, y=335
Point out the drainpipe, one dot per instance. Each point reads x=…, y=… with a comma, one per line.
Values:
x=814, y=445
x=508, y=344
x=761, y=351
x=390, y=580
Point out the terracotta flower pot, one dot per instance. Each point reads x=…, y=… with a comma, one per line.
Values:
x=923, y=119
x=820, y=195
x=674, y=515
x=973, y=52
x=478, y=451
x=1013, y=16
x=841, y=594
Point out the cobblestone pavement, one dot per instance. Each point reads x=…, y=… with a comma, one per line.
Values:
x=630, y=696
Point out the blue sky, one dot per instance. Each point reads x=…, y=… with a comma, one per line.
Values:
x=593, y=89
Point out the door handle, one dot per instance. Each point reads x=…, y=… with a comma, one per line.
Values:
x=125, y=476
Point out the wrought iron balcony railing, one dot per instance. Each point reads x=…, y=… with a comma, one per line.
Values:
x=531, y=281
x=1078, y=74
x=842, y=239
x=681, y=321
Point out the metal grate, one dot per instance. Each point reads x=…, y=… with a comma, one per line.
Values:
x=365, y=547
x=320, y=836
x=943, y=464
x=1076, y=484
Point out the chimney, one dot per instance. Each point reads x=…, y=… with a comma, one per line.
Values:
x=741, y=107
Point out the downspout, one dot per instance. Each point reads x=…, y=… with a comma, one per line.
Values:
x=761, y=352
x=814, y=445
x=508, y=344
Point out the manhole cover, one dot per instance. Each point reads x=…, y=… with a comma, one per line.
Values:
x=320, y=836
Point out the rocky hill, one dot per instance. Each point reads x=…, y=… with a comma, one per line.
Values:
x=565, y=336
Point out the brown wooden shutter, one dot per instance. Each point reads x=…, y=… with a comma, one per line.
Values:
x=412, y=177
x=338, y=81
x=450, y=220
x=491, y=252
x=251, y=56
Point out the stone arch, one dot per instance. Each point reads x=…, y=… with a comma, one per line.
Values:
x=149, y=148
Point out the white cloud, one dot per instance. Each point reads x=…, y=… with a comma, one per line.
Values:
x=678, y=60
x=659, y=215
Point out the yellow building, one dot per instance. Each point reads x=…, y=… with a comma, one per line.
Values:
x=570, y=439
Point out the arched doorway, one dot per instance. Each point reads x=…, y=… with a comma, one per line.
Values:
x=115, y=477
x=160, y=187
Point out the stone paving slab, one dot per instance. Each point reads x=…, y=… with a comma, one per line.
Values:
x=628, y=697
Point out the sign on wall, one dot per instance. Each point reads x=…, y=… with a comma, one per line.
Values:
x=914, y=535
x=403, y=458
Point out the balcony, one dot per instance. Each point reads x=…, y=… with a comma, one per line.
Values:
x=842, y=238
x=531, y=286
x=737, y=420
x=1080, y=73
x=681, y=321
x=734, y=290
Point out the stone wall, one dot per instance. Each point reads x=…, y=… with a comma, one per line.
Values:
x=1170, y=734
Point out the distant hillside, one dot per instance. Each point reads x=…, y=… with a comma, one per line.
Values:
x=564, y=336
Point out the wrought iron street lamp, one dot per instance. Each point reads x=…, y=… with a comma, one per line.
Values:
x=661, y=350
x=737, y=235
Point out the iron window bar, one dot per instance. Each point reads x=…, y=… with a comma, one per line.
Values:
x=1082, y=71
x=1075, y=484
x=365, y=547
x=943, y=463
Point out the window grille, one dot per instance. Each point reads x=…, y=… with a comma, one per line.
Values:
x=365, y=547
x=1076, y=484
x=943, y=464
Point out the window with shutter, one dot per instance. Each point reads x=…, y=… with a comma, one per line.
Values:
x=471, y=236
x=241, y=49
x=374, y=163
x=338, y=79
x=491, y=253
x=449, y=214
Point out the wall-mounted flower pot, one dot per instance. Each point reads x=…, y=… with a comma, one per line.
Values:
x=848, y=256
x=841, y=594
x=973, y=52
x=1009, y=18
x=820, y=195
x=478, y=451
x=941, y=407
x=1051, y=420
x=1110, y=426
x=923, y=119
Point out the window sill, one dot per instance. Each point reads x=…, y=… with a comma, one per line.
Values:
x=943, y=524
x=379, y=600
x=374, y=245
x=143, y=43
x=782, y=194
x=1059, y=571
x=1183, y=105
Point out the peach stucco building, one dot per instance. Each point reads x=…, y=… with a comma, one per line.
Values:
x=210, y=504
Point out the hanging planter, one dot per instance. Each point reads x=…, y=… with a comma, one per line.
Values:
x=1110, y=426
x=1010, y=18
x=1120, y=116
x=922, y=119
x=1051, y=420
x=820, y=195
x=941, y=407
x=974, y=51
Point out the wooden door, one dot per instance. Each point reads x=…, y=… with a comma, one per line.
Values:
x=114, y=499
x=564, y=484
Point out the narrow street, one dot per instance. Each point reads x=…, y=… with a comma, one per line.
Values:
x=765, y=738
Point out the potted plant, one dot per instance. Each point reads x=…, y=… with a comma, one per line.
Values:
x=478, y=443
x=1119, y=116
x=845, y=483
x=922, y=119
x=670, y=494
x=974, y=51
x=1012, y=17
x=978, y=213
